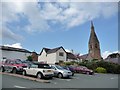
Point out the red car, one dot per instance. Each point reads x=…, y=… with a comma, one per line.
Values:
x=13, y=66
x=83, y=69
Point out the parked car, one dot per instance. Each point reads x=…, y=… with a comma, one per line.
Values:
x=70, y=68
x=27, y=62
x=60, y=72
x=39, y=70
x=13, y=66
x=83, y=69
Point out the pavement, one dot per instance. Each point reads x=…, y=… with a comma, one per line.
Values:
x=77, y=81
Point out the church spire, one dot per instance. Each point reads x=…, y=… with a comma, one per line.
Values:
x=93, y=36
x=94, y=47
x=92, y=26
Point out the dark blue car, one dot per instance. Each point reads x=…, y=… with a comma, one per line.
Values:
x=70, y=68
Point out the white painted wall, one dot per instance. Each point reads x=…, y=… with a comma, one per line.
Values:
x=14, y=55
x=42, y=57
x=61, y=58
x=51, y=58
x=47, y=58
x=69, y=60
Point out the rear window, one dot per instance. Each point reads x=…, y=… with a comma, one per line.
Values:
x=45, y=66
x=18, y=61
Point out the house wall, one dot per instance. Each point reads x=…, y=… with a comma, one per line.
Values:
x=51, y=58
x=47, y=58
x=14, y=55
x=34, y=56
x=42, y=57
x=69, y=60
x=61, y=58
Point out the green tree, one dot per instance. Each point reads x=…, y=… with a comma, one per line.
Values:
x=29, y=58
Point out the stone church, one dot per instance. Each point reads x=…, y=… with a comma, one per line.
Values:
x=93, y=45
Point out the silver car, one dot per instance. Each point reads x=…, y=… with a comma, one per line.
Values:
x=60, y=71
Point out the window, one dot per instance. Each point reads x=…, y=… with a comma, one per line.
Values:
x=95, y=45
x=90, y=46
x=61, y=54
x=34, y=66
x=45, y=66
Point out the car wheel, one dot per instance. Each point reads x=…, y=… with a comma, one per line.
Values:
x=2, y=69
x=39, y=76
x=60, y=75
x=14, y=71
x=87, y=73
x=24, y=73
x=73, y=74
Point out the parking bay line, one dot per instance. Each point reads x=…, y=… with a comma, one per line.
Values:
x=27, y=77
x=18, y=86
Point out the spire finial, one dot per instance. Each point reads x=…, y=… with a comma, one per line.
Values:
x=92, y=23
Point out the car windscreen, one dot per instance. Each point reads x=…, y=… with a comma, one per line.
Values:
x=45, y=66
x=18, y=61
x=59, y=67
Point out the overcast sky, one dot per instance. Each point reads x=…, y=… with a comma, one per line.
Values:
x=34, y=25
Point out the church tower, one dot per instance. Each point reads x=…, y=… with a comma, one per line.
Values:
x=94, y=47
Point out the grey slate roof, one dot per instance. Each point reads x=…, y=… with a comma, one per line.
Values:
x=48, y=51
x=53, y=50
x=13, y=49
x=71, y=56
x=114, y=58
x=84, y=57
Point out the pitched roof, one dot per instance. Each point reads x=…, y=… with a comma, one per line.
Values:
x=48, y=51
x=84, y=57
x=114, y=55
x=71, y=56
x=13, y=49
x=53, y=50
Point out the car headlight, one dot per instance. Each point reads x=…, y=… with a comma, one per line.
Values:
x=65, y=72
x=91, y=71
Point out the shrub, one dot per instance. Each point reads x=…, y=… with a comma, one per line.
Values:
x=100, y=70
x=29, y=58
x=68, y=63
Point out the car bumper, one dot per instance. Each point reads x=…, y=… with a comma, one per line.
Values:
x=67, y=74
x=48, y=75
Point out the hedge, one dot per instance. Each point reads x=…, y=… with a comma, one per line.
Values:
x=100, y=70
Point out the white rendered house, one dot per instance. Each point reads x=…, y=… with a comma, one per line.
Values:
x=13, y=53
x=52, y=56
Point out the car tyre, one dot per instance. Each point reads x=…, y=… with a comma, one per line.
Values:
x=87, y=73
x=73, y=74
x=2, y=69
x=60, y=75
x=39, y=76
x=24, y=73
x=14, y=71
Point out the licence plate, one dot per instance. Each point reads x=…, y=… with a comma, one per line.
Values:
x=49, y=70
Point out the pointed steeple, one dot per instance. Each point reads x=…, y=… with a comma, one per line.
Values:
x=93, y=36
x=92, y=26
